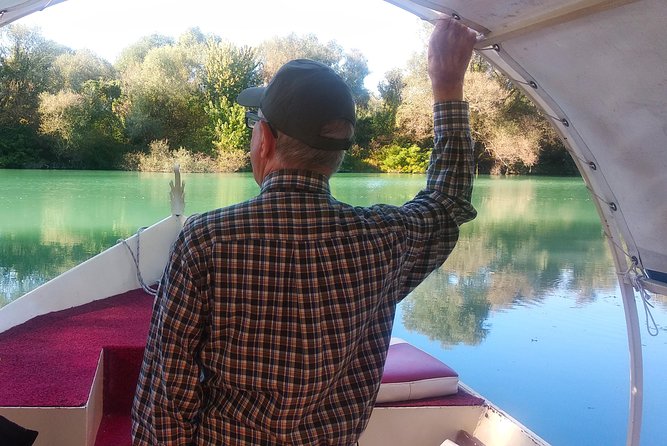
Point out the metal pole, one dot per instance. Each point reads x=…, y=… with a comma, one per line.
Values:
x=636, y=365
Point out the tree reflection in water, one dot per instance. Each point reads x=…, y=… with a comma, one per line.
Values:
x=532, y=239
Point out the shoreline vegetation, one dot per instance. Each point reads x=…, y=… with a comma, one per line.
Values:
x=171, y=100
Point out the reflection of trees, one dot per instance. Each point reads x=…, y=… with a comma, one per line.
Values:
x=451, y=313
x=27, y=263
x=531, y=240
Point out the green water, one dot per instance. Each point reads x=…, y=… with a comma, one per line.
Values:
x=526, y=309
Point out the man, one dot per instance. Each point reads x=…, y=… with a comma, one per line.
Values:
x=273, y=318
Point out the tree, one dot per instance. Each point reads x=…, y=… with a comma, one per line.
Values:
x=414, y=115
x=135, y=54
x=163, y=98
x=25, y=60
x=228, y=70
x=504, y=121
x=83, y=126
x=354, y=70
x=71, y=70
x=351, y=66
x=276, y=52
x=391, y=89
x=391, y=94
x=59, y=118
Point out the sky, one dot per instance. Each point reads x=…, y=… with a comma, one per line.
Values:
x=385, y=34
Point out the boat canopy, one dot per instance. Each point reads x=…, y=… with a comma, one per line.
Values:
x=11, y=10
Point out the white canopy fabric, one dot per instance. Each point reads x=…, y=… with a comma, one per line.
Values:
x=11, y=10
x=598, y=69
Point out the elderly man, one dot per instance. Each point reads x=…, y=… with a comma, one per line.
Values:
x=274, y=316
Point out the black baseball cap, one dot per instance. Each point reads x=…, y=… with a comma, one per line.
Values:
x=302, y=97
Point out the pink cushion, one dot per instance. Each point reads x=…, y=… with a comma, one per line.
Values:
x=411, y=374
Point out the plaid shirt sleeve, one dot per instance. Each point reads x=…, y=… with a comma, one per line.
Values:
x=170, y=369
x=433, y=217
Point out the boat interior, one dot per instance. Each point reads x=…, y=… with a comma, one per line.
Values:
x=74, y=373
x=596, y=69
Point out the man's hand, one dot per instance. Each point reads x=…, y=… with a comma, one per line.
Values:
x=449, y=52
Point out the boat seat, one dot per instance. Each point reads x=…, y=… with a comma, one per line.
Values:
x=409, y=374
x=412, y=374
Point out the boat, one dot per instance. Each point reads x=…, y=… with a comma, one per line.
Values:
x=596, y=69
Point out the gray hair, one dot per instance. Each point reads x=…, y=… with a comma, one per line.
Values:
x=299, y=155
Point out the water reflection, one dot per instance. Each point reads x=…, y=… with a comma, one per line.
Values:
x=532, y=239
x=29, y=260
x=532, y=236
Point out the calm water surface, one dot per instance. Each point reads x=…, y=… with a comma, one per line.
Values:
x=526, y=309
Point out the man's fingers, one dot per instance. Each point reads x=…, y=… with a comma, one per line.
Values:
x=449, y=52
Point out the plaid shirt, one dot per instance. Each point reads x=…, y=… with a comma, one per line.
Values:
x=273, y=318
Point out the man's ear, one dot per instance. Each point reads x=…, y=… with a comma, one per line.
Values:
x=267, y=142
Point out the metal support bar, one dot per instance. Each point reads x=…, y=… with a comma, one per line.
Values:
x=431, y=11
x=557, y=16
x=636, y=365
x=423, y=13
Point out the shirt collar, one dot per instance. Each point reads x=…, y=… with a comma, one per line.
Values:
x=295, y=180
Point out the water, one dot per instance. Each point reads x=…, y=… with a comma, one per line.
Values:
x=527, y=308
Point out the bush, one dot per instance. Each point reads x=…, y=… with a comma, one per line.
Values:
x=394, y=158
x=233, y=160
x=161, y=158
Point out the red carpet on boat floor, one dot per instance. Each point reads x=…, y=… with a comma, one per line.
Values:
x=51, y=359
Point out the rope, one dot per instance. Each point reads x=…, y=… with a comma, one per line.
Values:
x=636, y=275
x=146, y=288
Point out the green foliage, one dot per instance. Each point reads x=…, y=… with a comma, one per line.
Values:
x=66, y=108
x=228, y=70
x=161, y=158
x=20, y=147
x=163, y=99
x=414, y=114
x=391, y=89
x=357, y=160
x=276, y=52
x=354, y=69
x=135, y=54
x=25, y=62
x=82, y=126
x=230, y=132
x=394, y=158
x=71, y=70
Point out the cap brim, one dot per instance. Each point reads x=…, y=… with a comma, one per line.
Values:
x=250, y=97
